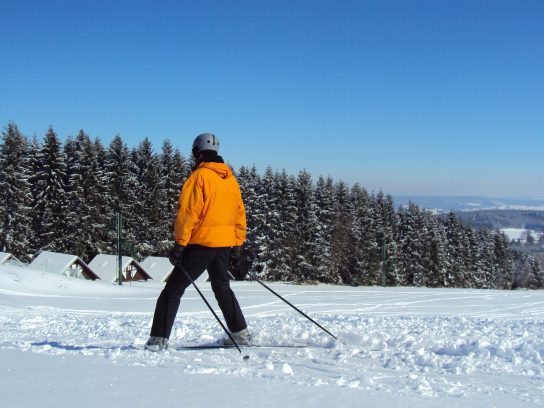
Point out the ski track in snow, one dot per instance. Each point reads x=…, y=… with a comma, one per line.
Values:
x=422, y=355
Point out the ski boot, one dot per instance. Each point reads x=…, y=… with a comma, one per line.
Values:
x=242, y=338
x=156, y=344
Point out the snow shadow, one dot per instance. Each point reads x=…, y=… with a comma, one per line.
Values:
x=57, y=345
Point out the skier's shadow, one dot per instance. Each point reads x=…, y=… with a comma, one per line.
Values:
x=57, y=345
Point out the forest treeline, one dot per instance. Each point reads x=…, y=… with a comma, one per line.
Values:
x=65, y=197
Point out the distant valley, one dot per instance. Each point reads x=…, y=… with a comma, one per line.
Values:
x=485, y=212
x=445, y=204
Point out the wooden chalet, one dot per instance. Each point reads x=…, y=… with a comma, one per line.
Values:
x=158, y=267
x=63, y=264
x=107, y=267
x=8, y=259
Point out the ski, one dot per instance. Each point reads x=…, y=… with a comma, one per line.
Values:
x=219, y=346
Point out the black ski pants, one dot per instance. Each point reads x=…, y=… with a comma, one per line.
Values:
x=196, y=259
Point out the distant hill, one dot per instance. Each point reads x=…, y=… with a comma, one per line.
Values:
x=485, y=212
x=445, y=204
x=500, y=219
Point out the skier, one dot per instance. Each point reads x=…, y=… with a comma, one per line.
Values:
x=209, y=230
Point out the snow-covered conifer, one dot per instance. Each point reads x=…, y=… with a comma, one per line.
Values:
x=341, y=238
x=505, y=266
x=264, y=218
x=15, y=198
x=249, y=180
x=121, y=181
x=412, y=246
x=305, y=250
x=283, y=226
x=147, y=211
x=487, y=261
x=385, y=227
x=51, y=197
x=436, y=259
x=456, y=247
x=87, y=215
x=536, y=275
x=173, y=174
x=324, y=202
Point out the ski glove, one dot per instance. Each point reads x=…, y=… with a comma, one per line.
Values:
x=176, y=254
x=234, y=263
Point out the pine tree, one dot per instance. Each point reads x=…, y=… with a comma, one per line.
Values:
x=536, y=276
x=412, y=233
x=472, y=260
x=51, y=197
x=385, y=227
x=455, y=243
x=120, y=179
x=264, y=233
x=486, y=262
x=361, y=231
x=504, y=273
x=435, y=259
x=341, y=239
x=284, y=223
x=365, y=258
x=102, y=213
x=324, y=200
x=523, y=270
x=87, y=215
x=150, y=193
x=249, y=181
x=73, y=184
x=174, y=173
x=305, y=250
x=36, y=207
x=15, y=199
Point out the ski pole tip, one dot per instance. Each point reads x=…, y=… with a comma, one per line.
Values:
x=245, y=358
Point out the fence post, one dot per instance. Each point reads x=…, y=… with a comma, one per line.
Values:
x=119, y=249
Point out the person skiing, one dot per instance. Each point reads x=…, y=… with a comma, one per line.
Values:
x=209, y=231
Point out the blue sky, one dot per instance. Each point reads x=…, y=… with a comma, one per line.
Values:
x=412, y=97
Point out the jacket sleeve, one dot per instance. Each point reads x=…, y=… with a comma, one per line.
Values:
x=240, y=222
x=191, y=203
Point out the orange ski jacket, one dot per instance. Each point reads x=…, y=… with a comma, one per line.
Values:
x=211, y=211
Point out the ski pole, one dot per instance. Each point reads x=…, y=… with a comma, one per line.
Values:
x=211, y=310
x=293, y=306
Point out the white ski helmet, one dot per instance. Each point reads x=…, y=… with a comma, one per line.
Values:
x=205, y=141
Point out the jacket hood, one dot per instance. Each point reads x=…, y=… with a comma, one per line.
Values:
x=221, y=169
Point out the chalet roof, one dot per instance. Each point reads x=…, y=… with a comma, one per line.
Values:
x=57, y=262
x=106, y=266
x=158, y=267
x=7, y=258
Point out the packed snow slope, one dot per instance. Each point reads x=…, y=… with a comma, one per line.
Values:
x=67, y=342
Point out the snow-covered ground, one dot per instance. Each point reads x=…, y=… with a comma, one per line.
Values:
x=68, y=342
x=521, y=234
